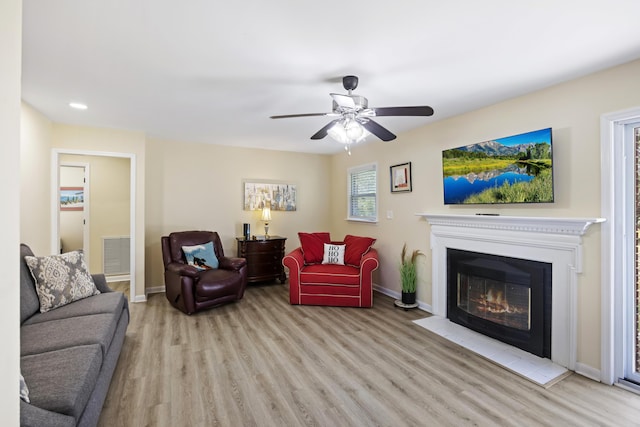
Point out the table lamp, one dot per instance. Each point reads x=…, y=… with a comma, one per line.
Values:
x=266, y=217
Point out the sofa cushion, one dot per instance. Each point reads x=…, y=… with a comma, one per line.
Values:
x=312, y=245
x=62, y=381
x=201, y=257
x=112, y=302
x=63, y=333
x=29, y=302
x=356, y=248
x=61, y=279
x=333, y=254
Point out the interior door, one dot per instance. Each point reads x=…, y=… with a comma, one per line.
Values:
x=73, y=207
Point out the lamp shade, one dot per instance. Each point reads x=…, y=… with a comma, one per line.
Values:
x=266, y=214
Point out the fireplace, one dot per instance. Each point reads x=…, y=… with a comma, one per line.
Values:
x=555, y=241
x=508, y=299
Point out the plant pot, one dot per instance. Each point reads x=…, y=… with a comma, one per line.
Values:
x=408, y=297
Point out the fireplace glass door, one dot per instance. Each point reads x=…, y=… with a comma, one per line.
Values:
x=503, y=303
x=505, y=298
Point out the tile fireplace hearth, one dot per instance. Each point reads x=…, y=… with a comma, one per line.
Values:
x=555, y=241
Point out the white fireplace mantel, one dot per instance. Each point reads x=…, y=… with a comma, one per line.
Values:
x=557, y=241
x=569, y=226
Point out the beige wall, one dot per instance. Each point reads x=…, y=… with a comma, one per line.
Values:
x=194, y=186
x=35, y=178
x=109, y=212
x=10, y=51
x=572, y=109
x=113, y=142
x=200, y=187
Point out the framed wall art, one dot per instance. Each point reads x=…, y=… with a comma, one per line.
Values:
x=400, y=177
x=71, y=198
x=277, y=196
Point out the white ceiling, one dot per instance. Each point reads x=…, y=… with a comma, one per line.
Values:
x=213, y=72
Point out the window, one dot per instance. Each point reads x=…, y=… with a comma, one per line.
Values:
x=362, y=189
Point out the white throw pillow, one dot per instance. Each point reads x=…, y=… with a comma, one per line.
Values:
x=333, y=254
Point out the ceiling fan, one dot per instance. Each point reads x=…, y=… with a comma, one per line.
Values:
x=353, y=115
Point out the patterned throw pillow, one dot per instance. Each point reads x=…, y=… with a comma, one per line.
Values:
x=61, y=279
x=333, y=254
x=24, y=390
x=202, y=257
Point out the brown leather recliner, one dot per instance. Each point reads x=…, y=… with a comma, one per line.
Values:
x=189, y=289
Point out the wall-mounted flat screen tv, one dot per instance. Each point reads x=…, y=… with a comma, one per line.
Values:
x=514, y=169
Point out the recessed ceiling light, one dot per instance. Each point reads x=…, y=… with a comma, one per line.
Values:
x=77, y=105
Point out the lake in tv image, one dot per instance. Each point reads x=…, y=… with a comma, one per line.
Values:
x=514, y=169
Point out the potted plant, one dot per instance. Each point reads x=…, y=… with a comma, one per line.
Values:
x=409, y=275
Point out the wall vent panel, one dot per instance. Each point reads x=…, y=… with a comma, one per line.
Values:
x=116, y=255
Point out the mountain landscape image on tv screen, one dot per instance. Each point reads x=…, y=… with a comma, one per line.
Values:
x=514, y=169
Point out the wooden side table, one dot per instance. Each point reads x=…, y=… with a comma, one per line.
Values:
x=264, y=258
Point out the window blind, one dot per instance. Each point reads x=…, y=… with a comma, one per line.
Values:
x=363, y=193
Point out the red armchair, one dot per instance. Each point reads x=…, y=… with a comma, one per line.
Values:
x=189, y=289
x=331, y=284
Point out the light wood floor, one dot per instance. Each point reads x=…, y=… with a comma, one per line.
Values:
x=263, y=362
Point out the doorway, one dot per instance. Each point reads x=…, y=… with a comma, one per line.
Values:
x=74, y=208
x=620, y=361
x=122, y=206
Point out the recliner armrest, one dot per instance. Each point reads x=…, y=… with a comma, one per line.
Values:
x=231, y=263
x=182, y=269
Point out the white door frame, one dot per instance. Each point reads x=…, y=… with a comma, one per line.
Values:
x=55, y=200
x=615, y=252
x=86, y=230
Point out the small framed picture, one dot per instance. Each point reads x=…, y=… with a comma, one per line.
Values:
x=400, y=178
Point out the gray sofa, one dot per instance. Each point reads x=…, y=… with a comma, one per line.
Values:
x=68, y=355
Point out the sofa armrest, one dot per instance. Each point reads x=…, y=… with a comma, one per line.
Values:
x=294, y=260
x=101, y=283
x=369, y=262
x=182, y=269
x=232, y=263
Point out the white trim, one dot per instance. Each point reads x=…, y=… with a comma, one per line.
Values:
x=588, y=371
x=613, y=202
x=118, y=278
x=155, y=290
x=397, y=295
x=55, y=199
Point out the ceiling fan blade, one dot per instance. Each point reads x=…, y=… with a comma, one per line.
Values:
x=288, y=116
x=323, y=132
x=378, y=130
x=343, y=100
x=404, y=111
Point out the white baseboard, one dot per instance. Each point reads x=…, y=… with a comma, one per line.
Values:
x=118, y=278
x=397, y=295
x=140, y=298
x=155, y=290
x=588, y=371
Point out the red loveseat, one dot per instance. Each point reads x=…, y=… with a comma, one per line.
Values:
x=313, y=283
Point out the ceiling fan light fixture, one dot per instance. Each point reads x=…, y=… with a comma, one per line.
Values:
x=347, y=131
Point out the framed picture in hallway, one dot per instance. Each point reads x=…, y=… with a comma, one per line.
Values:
x=71, y=198
x=400, y=176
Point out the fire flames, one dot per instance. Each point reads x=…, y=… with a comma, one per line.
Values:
x=493, y=301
